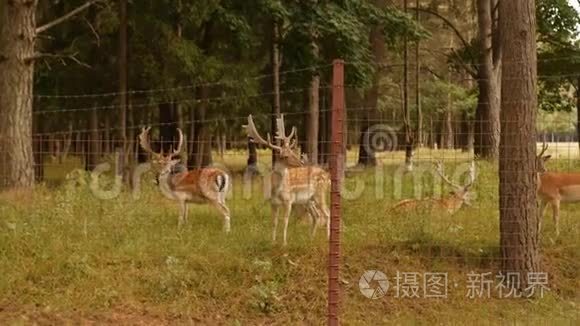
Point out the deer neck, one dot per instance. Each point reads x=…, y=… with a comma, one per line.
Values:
x=166, y=183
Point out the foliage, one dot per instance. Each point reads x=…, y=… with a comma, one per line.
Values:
x=441, y=95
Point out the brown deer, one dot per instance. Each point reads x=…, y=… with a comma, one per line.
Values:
x=450, y=204
x=294, y=183
x=555, y=188
x=200, y=186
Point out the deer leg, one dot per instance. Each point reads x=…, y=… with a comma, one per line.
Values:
x=323, y=208
x=556, y=216
x=182, y=213
x=287, y=211
x=314, y=217
x=225, y=211
x=275, y=211
x=541, y=210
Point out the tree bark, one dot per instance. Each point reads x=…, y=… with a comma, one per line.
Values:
x=369, y=115
x=17, y=35
x=275, y=62
x=406, y=111
x=123, y=77
x=39, y=148
x=419, y=131
x=202, y=153
x=487, y=116
x=447, y=134
x=518, y=178
x=578, y=111
x=167, y=124
x=93, y=141
x=313, y=120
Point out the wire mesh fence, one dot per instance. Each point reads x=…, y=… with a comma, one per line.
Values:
x=409, y=170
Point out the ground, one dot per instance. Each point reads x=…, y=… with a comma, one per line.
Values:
x=67, y=256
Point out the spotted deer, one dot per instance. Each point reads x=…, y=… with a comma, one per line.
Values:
x=200, y=186
x=555, y=188
x=293, y=182
x=450, y=204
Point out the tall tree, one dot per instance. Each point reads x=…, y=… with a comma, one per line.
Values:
x=487, y=115
x=419, y=130
x=275, y=56
x=123, y=80
x=18, y=53
x=518, y=177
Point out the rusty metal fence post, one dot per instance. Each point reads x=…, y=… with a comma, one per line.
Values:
x=336, y=163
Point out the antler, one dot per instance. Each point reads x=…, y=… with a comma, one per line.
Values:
x=544, y=149
x=178, y=150
x=281, y=132
x=442, y=175
x=471, y=175
x=256, y=138
x=144, y=141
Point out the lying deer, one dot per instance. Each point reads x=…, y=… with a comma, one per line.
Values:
x=200, y=186
x=294, y=183
x=554, y=188
x=449, y=204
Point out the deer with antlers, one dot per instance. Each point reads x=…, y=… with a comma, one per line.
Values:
x=450, y=204
x=200, y=186
x=555, y=188
x=293, y=182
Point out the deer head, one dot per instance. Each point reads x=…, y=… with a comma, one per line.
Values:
x=463, y=192
x=161, y=161
x=541, y=159
x=287, y=143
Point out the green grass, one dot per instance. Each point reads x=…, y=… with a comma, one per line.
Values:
x=68, y=257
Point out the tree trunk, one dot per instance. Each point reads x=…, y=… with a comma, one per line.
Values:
x=17, y=35
x=252, y=163
x=39, y=147
x=448, y=135
x=167, y=123
x=202, y=152
x=578, y=111
x=366, y=154
x=324, y=132
x=123, y=72
x=406, y=111
x=67, y=141
x=419, y=131
x=275, y=61
x=93, y=141
x=487, y=116
x=313, y=117
x=518, y=178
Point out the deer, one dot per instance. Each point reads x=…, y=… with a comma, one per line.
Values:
x=554, y=188
x=293, y=182
x=450, y=204
x=208, y=185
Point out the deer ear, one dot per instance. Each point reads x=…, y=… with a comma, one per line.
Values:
x=546, y=158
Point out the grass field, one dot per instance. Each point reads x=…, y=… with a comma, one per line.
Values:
x=68, y=257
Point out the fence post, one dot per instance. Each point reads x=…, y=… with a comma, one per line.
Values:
x=336, y=163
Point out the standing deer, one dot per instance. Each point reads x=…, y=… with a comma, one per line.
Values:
x=450, y=204
x=554, y=188
x=294, y=183
x=199, y=186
